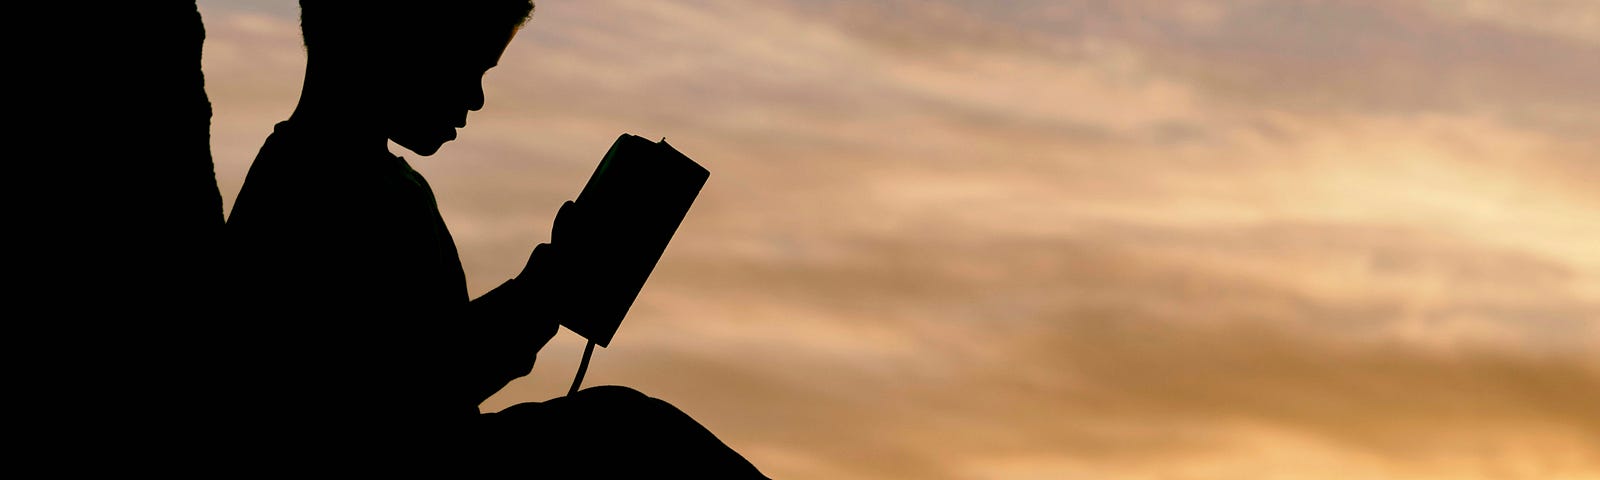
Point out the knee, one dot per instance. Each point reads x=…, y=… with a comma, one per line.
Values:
x=611, y=392
x=628, y=405
x=613, y=397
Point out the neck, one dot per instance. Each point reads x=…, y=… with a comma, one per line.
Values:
x=338, y=109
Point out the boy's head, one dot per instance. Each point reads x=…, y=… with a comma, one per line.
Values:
x=417, y=65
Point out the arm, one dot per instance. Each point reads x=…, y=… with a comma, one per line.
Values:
x=514, y=321
x=518, y=318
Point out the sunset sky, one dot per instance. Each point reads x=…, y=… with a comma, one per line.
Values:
x=1058, y=239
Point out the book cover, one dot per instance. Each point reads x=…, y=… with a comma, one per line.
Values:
x=632, y=205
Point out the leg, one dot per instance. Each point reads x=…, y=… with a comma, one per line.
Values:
x=611, y=431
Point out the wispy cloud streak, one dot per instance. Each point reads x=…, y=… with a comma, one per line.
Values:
x=1062, y=239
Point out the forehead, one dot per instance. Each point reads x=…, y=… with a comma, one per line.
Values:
x=474, y=49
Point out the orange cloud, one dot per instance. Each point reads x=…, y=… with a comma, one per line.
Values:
x=1050, y=239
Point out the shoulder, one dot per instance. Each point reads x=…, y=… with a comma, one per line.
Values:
x=299, y=180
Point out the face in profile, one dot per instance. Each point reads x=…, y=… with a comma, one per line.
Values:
x=432, y=98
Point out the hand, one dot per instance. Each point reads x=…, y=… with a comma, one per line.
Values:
x=537, y=291
x=571, y=227
x=553, y=257
x=549, y=278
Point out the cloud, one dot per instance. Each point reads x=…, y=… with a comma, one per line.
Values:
x=1060, y=239
x=1572, y=19
x=1127, y=396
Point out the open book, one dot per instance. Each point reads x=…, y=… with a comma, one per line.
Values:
x=632, y=205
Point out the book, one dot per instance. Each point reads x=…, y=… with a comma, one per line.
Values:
x=632, y=205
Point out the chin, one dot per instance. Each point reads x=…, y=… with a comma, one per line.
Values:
x=420, y=147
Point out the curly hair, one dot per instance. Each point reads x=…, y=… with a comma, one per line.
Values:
x=355, y=24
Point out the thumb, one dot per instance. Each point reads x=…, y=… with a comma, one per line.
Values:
x=563, y=222
x=539, y=263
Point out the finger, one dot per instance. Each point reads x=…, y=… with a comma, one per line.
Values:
x=540, y=251
x=563, y=218
x=538, y=262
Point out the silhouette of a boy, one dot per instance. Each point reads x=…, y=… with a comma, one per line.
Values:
x=357, y=340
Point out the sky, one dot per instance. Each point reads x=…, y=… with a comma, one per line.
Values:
x=1057, y=239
